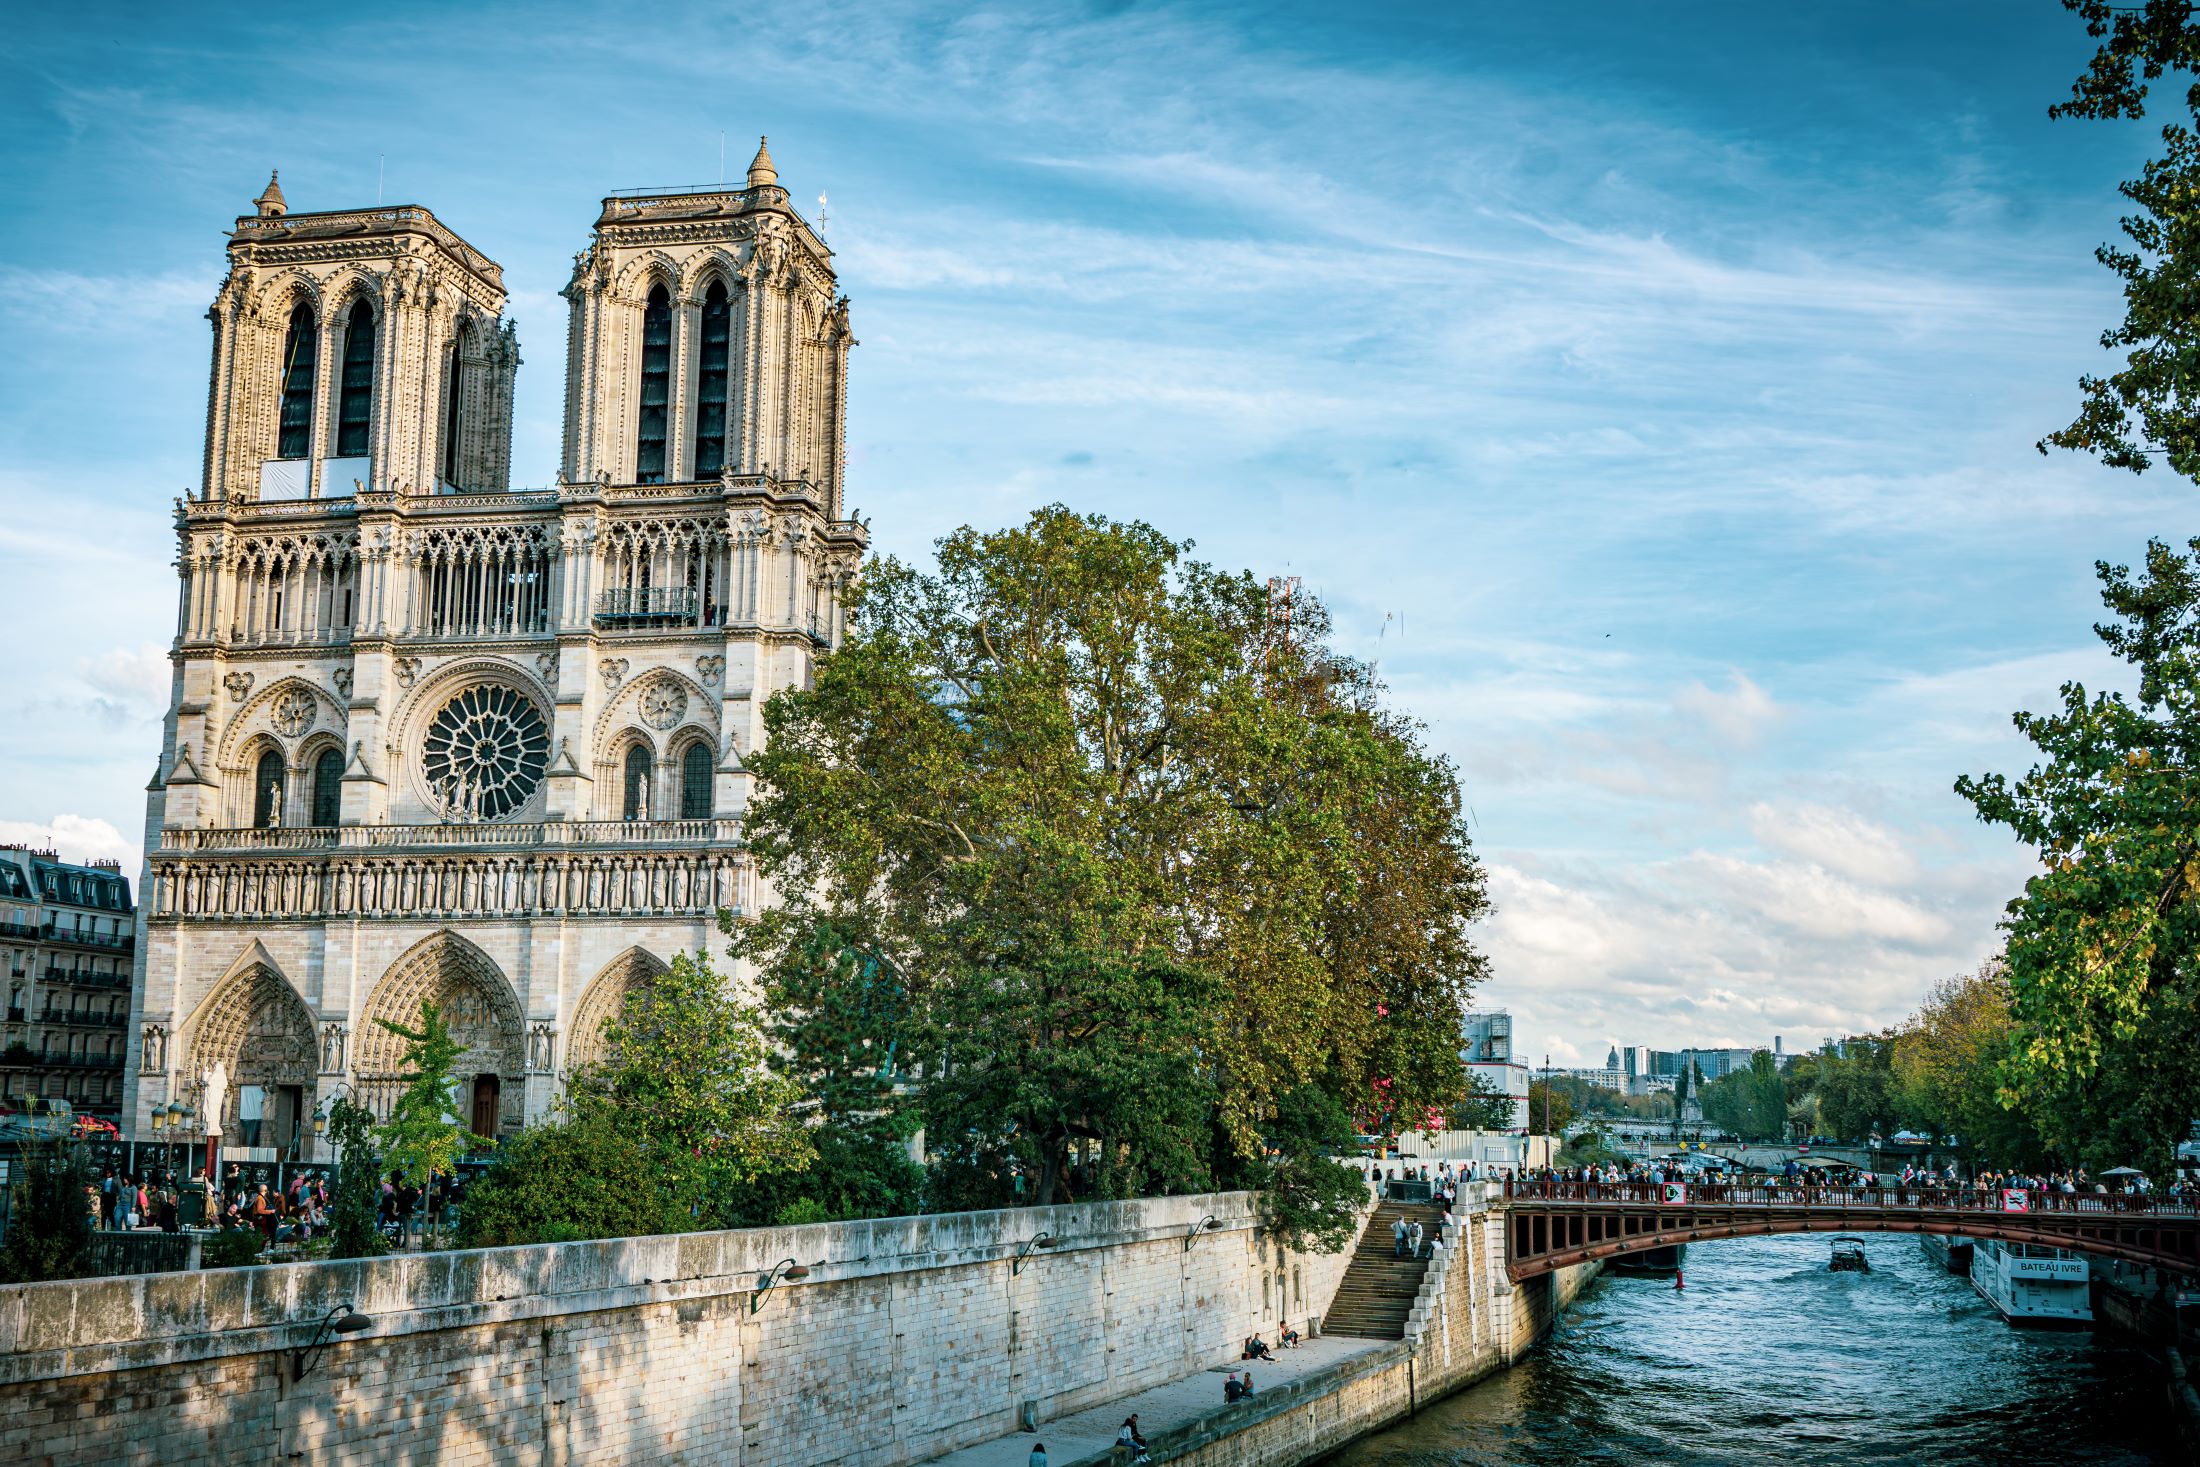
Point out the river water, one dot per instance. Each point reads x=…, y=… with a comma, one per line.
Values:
x=1767, y=1356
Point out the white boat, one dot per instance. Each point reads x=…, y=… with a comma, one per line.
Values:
x=2031, y=1284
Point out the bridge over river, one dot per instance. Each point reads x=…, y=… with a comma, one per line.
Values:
x=1553, y=1224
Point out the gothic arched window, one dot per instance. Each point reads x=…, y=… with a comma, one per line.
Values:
x=695, y=775
x=710, y=386
x=294, y=437
x=328, y=787
x=355, y=388
x=636, y=803
x=649, y=455
x=267, y=790
x=453, y=405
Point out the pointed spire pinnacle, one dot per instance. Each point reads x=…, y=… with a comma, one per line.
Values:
x=270, y=202
x=761, y=171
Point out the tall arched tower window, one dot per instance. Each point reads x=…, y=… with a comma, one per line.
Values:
x=294, y=438
x=355, y=388
x=453, y=404
x=635, y=806
x=649, y=456
x=710, y=387
x=328, y=787
x=267, y=790
x=695, y=783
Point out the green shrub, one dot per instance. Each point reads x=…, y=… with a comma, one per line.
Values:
x=590, y=1177
x=802, y=1210
x=231, y=1248
x=50, y=1223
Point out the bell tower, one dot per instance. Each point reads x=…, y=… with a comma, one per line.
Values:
x=707, y=338
x=358, y=347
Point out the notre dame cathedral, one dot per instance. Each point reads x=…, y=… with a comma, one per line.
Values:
x=434, y=737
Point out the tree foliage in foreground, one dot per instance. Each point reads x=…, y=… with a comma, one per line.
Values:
x=49, y=1219
x=2149, y=406
x=425, y=1133
x=682, y=1125
x=357, y=1194
x=1080, y=804
x=2101, y=949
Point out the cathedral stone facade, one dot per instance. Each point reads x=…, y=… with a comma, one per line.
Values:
x=434, y=737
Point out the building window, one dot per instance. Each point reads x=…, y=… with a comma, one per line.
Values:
x=695, y=775
x=710, y=394
x=267, y=790
x=636, y=805
x=295, y=438
x=328, y=787
x=649, y=458
x=453, y=405
x=355, y=397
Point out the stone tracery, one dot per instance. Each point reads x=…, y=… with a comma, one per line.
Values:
x=470, y=991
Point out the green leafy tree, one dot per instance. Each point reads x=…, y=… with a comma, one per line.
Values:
x=1070, y=1056
x=1550, y=1109
x=1071, y=749
x=1752, y=1102
x=2101, y=948
x=687, y=1068
x=425, y=1133
x=1309, y=1199
x=357, y=1192
x=49, y=1222
x=2145, y=408
x=578, y=1177
x=1948, y=1061
x=1485, y=1107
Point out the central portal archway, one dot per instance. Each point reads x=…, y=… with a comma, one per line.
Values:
x=470, y=991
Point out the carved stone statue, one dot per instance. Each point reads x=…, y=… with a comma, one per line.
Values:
x=332, y=1049
x=216, y=1081
x=274, y=805
x=153, y=1053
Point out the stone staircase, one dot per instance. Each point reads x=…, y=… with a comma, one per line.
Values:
x=1377, y=1291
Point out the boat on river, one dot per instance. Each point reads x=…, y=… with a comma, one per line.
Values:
x=1848, y=1256
x=2033, y=1284
x=1949, y=1250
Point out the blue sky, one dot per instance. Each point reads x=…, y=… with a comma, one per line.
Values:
x=1650, y=389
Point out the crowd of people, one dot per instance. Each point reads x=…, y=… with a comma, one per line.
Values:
x=1914, y=1184
x=293, y=1212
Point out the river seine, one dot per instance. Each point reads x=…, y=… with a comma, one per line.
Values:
x=1769, y=1357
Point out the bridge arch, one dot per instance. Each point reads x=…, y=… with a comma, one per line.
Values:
x=1543, y=1234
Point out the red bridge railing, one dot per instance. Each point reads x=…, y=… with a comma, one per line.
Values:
x=1882, y=1197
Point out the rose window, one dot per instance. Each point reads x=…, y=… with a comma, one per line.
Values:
x=294, y=712
x=663, y=702
x=486, y=752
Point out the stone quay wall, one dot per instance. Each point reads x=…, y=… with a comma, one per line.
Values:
x=1469, y=1322
x=908, y=1338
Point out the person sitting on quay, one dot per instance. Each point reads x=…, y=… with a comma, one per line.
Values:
x=1256, y=1348
x=1231, y=1390
x=1038, y=1457
x=1289, y=1339
x=1247, y=1386
x=1129, y=1437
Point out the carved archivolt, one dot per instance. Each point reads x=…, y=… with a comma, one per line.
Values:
x=257, y=1026
x=289, y=706
x=603, y=1000
x=470, y=991
x=659, y=698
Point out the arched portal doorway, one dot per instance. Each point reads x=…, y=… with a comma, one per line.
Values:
x=470, y=991
x=261, y=1034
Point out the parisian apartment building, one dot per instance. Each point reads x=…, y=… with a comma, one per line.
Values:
x=67, y=936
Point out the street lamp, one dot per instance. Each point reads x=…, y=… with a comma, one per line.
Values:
x=785, y=1268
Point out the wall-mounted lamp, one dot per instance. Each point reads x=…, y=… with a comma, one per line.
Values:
x=785, y=1268
x=1209, y=1221
x=1044, y=1240
x=342, y=1320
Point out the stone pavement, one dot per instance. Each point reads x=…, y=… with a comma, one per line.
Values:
x=1086, y=1433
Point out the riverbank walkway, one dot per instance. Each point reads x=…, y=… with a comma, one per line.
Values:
x=1091, y=1432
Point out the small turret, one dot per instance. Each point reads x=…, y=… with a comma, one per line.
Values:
x=761, y=171
x=270, y=202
